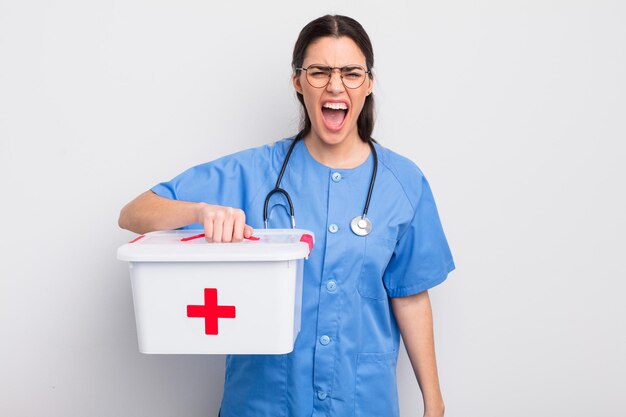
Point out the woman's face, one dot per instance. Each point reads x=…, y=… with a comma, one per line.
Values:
x=338, y=124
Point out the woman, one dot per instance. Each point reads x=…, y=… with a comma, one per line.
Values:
x=361, y=290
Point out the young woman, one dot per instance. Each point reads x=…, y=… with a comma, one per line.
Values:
x=379, y=242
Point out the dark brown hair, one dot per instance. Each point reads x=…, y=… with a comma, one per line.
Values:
x=336, y=26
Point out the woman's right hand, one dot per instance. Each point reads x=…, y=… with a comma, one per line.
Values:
x=149, y=212
x=223, y=224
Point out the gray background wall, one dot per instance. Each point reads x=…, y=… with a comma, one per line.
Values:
x=514, y=110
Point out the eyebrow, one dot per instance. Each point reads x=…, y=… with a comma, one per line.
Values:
x=346, y=67
x=352, y=66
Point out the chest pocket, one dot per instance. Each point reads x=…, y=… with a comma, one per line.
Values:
x=378, y=252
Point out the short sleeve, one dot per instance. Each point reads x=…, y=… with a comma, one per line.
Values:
x=228, y=181
x=422, y=257
x=213, y=182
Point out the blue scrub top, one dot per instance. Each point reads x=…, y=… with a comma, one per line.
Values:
x=344, y=359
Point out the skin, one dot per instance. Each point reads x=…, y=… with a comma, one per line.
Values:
x=415, y=320
x=149, y=212
x=341, y=148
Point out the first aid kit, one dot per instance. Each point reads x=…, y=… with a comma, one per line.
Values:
x=195, y=297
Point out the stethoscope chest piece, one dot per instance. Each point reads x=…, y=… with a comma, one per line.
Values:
x=361, y=226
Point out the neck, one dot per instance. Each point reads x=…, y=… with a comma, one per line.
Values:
x=346, y=154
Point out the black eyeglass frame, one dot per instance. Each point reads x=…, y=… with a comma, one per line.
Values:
x=330, y=75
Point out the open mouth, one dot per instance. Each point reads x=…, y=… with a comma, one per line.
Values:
x=334, y=114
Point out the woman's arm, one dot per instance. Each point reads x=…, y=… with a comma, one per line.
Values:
x=415, y=320
x=149, y=212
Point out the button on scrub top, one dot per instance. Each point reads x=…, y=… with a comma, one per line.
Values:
x=344, y=359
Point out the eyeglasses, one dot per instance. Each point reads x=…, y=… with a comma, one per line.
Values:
x=352, y=76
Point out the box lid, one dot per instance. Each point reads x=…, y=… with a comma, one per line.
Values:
x=191, y=246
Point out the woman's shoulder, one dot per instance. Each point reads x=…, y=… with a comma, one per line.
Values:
x=404, y=171
x=398, y=163
x=259, y=156
x=269, y=149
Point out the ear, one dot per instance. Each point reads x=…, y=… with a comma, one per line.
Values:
x=371, y=85
x=296, y=83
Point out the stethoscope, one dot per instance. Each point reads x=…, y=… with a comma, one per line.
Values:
x=360, y=225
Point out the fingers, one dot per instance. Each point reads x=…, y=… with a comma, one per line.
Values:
x=207, y=223
x=238, y=227
x=218, y=226
x=227, y=228
x=224, y=224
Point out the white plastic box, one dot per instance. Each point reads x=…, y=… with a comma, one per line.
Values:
x=191, y=296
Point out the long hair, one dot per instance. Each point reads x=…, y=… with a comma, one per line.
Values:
x=336, y=26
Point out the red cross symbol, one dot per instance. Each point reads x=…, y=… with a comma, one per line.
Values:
x=211, y=311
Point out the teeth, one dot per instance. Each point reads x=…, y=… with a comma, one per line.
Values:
x=336, y=106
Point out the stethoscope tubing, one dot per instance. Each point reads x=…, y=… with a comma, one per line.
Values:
x=372, y=180
x=278, y=190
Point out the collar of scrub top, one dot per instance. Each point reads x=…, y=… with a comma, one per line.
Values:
x=360, y=225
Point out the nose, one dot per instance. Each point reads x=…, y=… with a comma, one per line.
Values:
x=335, y=84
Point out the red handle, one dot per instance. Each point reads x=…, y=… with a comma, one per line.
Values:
x=308, y=239
x=186, y=239
x=137, y=238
